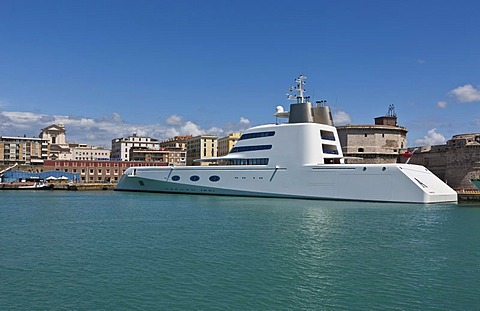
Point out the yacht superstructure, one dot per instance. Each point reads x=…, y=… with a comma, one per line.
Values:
x=299, y=159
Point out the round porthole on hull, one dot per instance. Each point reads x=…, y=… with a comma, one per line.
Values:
x=214, y=178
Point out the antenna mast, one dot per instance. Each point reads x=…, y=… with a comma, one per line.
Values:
x=391, y=111
x=298, y=88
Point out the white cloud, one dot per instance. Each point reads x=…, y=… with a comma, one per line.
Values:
x=341, y=118
x=174, y=120
x=432, y=138
x=442, y=104
x=466, y=93
x=244, y=120
x=116, y=117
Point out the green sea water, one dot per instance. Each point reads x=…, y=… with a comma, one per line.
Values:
x=139, y=251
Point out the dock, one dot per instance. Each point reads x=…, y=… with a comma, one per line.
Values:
x=468, y=195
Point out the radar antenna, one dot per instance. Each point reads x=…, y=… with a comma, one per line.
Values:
x=391, y=111
x=300, y=81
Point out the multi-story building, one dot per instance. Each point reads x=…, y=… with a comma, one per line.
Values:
x=86, y=152
x=95, y=171
x=121, y=146
x=23, y=150
x=177, y=158
x=201, y=147
x=175, y=143
x=225, y=144
x=375, y=143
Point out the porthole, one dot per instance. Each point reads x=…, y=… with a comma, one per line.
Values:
x=194, y=178
x=364, y=169
x=384, y=168
x=214, y=178
x=175, y=178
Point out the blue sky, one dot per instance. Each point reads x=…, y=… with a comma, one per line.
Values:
x=163, y=68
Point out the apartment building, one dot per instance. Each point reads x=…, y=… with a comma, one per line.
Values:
x=225, y=144
x=177, y=158
x=23, y=150
x=201, y=147
x=121, y=146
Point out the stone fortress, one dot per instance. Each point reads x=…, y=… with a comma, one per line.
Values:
x=457, y=162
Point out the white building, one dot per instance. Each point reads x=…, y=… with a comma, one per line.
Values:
x=121, y=146
x=56, y=137
x=85, y=152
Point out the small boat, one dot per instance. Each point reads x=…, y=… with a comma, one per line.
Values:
x=27, y=184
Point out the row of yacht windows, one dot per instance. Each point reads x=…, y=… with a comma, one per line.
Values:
x=256, y=135
x=213, y=178
x=250, y=148
x=258, y=161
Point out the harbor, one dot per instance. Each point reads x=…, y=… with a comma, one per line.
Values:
x=109, y=250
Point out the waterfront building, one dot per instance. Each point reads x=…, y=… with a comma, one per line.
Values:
x=95, y=171
x=86, y=152
x=381, y=142
x=457, y=162
x=226, y=143
x=121, y=146
x=177, y=147
x=201, y=147
x=169, y=157
x=48, y=176
x=23, y=150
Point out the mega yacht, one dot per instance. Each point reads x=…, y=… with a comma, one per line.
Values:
x=301, y=158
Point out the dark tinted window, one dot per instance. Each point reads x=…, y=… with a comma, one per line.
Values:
x=256, y=135
x=214, y=178
x=250, y=148
x=194, y=178
x=175, y=178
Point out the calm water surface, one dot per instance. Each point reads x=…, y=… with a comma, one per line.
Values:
x=118, y=251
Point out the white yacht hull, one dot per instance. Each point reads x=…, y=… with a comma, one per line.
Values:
x=299, y=159
x=382, y=183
